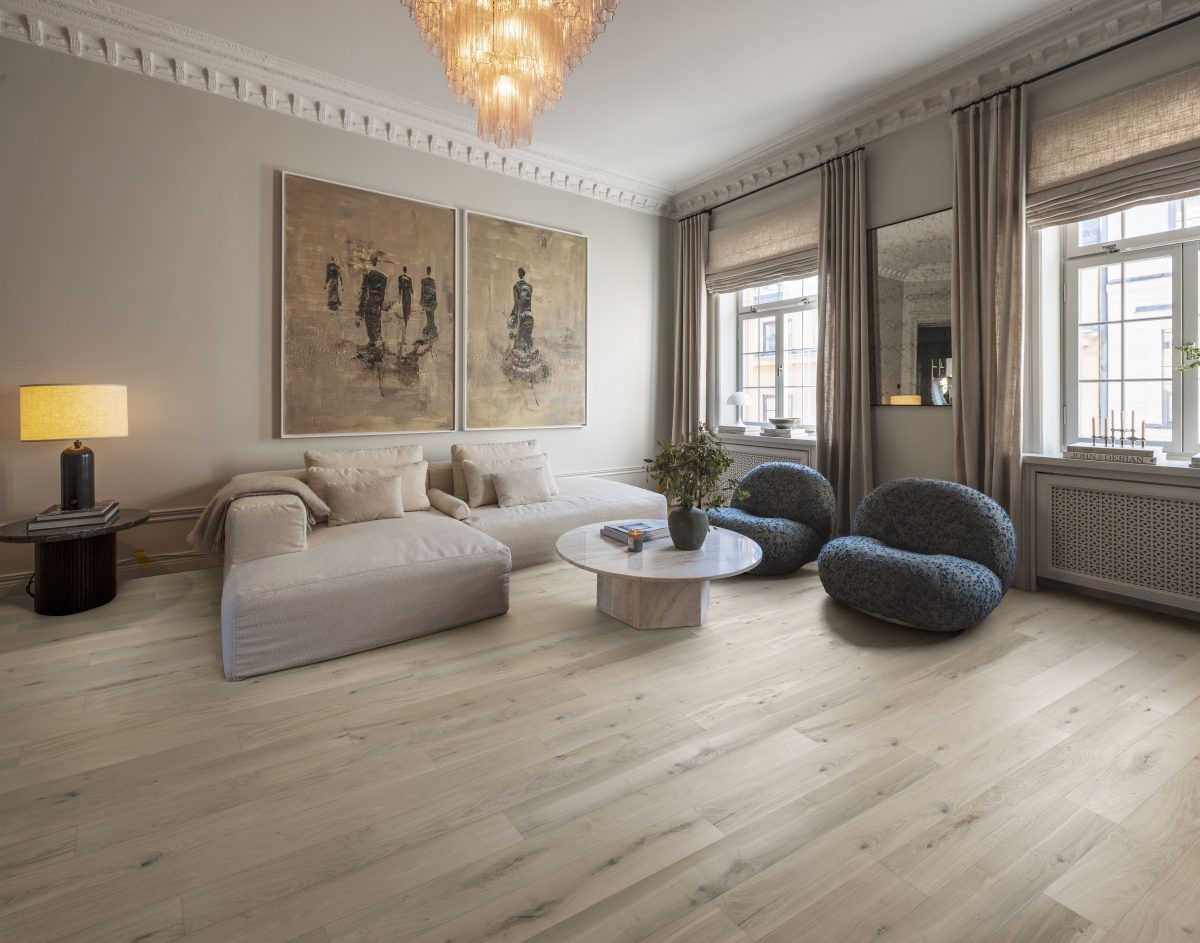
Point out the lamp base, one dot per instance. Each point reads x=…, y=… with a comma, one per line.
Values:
x=78, y=477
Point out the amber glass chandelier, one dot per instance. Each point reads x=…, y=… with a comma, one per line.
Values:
x=508, y=58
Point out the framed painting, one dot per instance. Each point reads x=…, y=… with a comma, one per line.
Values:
x=368, y=299
x=525, y=326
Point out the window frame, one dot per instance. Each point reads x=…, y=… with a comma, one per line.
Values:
x=1183, y=245
x=778, y=310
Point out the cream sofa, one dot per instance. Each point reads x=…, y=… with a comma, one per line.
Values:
x=293, y=596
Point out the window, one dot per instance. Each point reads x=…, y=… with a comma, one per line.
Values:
x=780, y=377
x=1130, y=290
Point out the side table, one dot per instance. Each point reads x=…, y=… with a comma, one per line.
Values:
x=74, y=568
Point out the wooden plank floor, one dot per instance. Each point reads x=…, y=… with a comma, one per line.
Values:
x=790, y=772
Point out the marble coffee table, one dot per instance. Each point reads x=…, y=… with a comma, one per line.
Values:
x=661, y=587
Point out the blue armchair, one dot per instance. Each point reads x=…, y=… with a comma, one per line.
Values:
x=788, y=512
x=923, y=553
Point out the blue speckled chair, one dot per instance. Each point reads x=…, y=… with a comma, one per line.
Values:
x=788, y=512
x=927, y=554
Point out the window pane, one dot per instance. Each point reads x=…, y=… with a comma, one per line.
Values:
x=1096, y=402
x=1094, y=232
x=751, y=336
x=1099, y=293
x=1151, y=404
x=758, y=370
x=754, y=412
x=1148, y=288
x=1100, y=352
x=1147, y=349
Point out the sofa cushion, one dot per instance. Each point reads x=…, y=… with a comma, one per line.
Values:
x=364, y=458
x=786, y=544
x=480, y=488
x=356, y=500
x=521, y=486
x=484, y=452
x=359, y=587
x=263, y=525
x=413, y=481
x=441, y=476
x=531, y=530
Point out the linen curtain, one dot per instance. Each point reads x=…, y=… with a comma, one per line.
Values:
x=773, y=246
x=1138, y=145
x=844, y=336
x=691, y=305
x=987, y=293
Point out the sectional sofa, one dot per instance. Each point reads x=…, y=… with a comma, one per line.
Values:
x=294, y=595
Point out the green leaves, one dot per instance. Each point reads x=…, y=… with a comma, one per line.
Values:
x=691, y=471
x=1191, y=356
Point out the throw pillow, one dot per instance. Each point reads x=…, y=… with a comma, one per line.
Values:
x=364, y=499
x=481, y=491
x=365, y=458
x=520, y=486
x=412, y=481
x=485, y=452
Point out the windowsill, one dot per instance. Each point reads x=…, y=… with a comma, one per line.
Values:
x=753, y=438
x=1170, y=469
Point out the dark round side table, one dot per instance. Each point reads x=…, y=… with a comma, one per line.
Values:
x=75, y=568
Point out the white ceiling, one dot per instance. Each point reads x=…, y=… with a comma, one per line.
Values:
x=673, y=90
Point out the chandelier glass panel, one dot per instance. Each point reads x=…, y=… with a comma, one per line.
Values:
x=508, y=58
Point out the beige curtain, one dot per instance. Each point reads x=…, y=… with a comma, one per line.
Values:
x=773, y=246
x=844, y=336
x=1138, y=145
x=691, y=306
x=987, y=294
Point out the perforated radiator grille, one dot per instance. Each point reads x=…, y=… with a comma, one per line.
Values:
x=1142, y=540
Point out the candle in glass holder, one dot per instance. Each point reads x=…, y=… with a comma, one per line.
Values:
x=633, y=541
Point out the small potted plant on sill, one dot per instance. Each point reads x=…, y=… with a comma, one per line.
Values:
x=690, y=473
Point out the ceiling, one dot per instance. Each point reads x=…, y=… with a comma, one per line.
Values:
x=672, y=91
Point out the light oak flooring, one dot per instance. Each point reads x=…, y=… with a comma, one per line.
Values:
x=790, y=772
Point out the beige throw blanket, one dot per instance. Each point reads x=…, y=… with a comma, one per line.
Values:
x=209, y=533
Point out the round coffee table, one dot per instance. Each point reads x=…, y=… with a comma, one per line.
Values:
x=661, y=587
x=74, y=568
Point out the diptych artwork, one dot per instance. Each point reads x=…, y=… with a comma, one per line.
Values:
x=368, y=330
x=526, y=325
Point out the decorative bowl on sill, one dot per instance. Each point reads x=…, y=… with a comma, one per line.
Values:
x=786, y=422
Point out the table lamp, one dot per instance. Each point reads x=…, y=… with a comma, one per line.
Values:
x=740, y=400
x=51, y=411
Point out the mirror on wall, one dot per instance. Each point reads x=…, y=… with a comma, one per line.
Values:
x=910, y=312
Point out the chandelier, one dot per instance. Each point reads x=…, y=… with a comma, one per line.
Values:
x=508, y=58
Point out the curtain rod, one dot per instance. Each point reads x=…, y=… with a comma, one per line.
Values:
x=1029, y=81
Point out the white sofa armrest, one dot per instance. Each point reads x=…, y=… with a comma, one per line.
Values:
x=265, y=525
x=449, y=505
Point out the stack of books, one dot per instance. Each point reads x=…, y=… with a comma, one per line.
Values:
x=782, y=433
x=1122, y=455
x=734, y=430
x=651, y=530
x=1195, y=462
x=55, y=518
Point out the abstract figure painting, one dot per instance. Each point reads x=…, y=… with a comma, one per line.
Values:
x=354, y=361
x=526, y=325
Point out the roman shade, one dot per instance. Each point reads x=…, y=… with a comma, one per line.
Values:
x=1138, y=145
x=776, y=245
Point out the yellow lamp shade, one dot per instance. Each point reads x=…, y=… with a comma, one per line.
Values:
x=73, y=411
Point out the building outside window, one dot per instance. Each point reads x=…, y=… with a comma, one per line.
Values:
x=1131, y=288
x=777, y=350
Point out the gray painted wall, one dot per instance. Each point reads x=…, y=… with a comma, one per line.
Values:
x=140, y=245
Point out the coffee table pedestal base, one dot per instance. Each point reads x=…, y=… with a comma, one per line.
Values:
x=652, y=604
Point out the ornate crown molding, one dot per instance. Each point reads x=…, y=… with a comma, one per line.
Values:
x=105, y=32
x=1061, y=35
